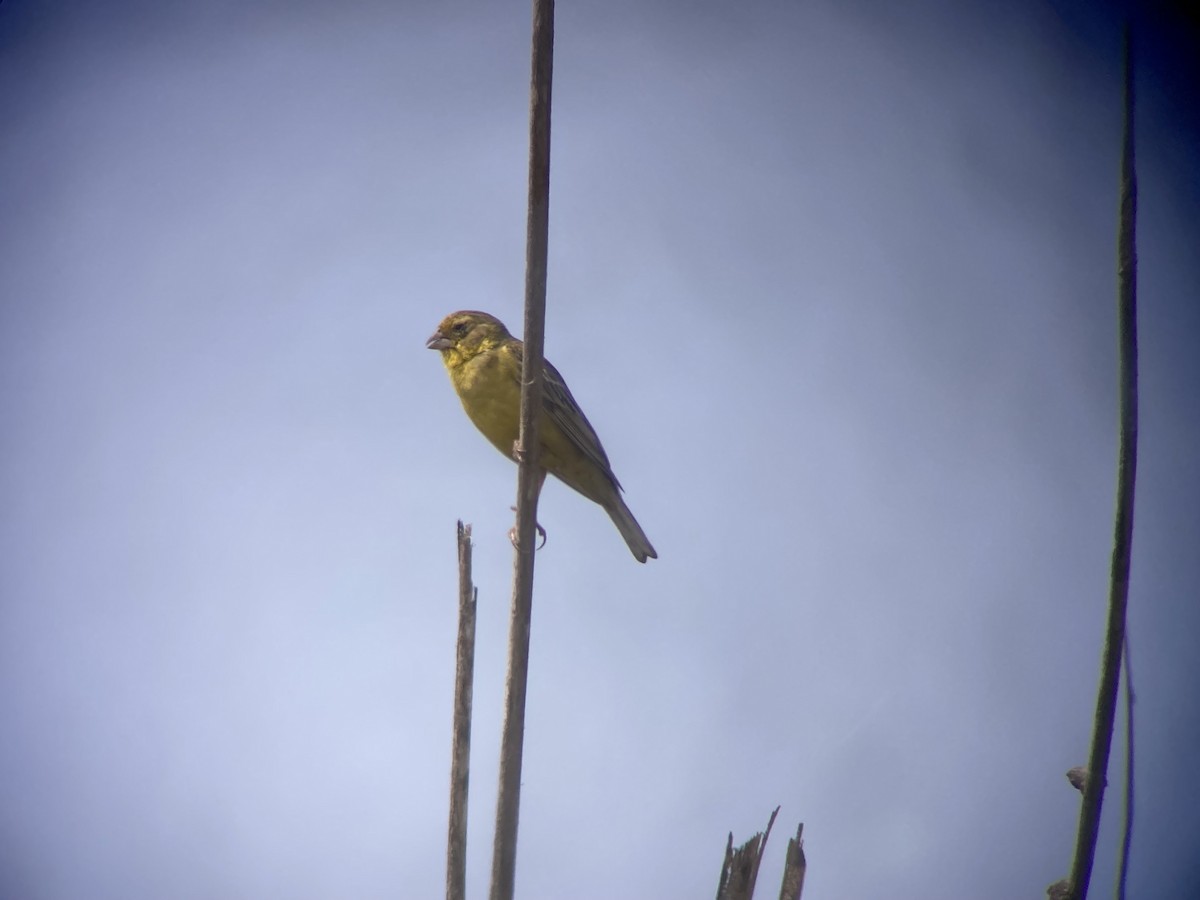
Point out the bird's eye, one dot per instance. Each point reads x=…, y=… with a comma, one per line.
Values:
x=459, y=328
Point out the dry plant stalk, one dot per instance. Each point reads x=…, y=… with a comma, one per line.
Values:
x=794, y=866
x=460, y=760
x=1118, y=597
x=504, y=852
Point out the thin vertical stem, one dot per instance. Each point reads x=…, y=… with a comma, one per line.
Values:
x=1127, y=836
x=504, y=855
x=1118, y=597
x=739, y=873
x=794, y=866
x=460, y=762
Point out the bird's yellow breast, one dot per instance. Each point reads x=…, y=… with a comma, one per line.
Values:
x=489, y=386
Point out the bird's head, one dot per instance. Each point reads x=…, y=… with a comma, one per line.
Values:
x=463, y=335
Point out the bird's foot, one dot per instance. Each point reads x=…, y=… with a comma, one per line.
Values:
x=512, y=533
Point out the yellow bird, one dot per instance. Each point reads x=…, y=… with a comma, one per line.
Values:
x=484, y=362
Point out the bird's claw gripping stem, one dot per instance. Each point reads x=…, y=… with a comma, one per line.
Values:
x=512, y=534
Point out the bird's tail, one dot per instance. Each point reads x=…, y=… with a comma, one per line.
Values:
x=638, y=543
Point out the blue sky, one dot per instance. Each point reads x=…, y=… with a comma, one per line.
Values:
x=835, y=285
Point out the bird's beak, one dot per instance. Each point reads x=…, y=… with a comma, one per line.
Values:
x=438, y=341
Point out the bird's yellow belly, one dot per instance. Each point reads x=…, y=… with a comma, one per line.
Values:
x=492, y=400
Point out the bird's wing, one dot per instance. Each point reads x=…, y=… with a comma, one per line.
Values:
x=562, y=409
